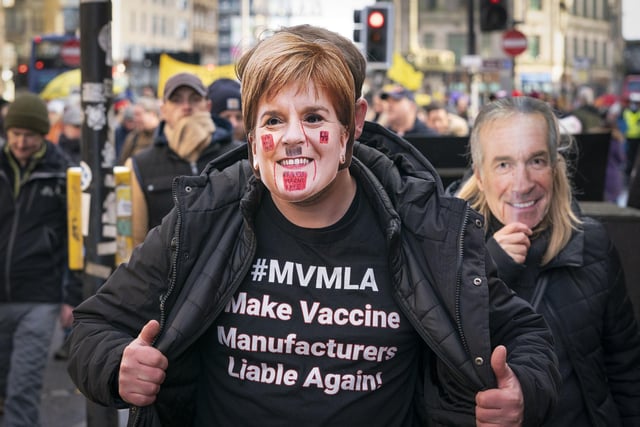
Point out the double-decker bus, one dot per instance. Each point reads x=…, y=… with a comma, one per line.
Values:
x=51, y=55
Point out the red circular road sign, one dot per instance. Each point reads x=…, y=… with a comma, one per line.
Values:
x=514, y=42
x=70, y=53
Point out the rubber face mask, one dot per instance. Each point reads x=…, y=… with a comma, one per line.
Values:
x=298, y=143
x=516, y=175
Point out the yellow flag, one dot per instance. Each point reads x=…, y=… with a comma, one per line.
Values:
x=403, y=73
x=170, y=66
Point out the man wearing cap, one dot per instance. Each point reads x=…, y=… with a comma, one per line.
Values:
x=34, y=286
x=226, y=103
x=186, y=140
x=402, y=113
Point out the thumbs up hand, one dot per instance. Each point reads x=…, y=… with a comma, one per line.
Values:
x=503, y=406
x=142, y=368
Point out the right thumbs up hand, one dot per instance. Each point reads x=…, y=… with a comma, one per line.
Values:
x=142, y=369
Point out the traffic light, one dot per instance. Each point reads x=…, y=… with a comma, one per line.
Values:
x=20, y=76
x=494, y=15
x=378, y=35
x=358, y=31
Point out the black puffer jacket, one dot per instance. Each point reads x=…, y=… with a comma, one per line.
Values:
x=33, y=227
x=587, y=306
x=189, y=267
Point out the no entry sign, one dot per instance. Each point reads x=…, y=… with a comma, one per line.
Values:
x=514, y=42
x=70, y=53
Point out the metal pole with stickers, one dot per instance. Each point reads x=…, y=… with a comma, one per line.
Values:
x=98, y=158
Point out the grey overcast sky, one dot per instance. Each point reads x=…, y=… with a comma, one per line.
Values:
x=630, y=18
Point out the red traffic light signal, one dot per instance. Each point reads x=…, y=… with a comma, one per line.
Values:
x=376, y=19
x=378, y=35
x=494, y=15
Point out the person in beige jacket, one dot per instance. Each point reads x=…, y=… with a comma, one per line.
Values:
x=185, y=141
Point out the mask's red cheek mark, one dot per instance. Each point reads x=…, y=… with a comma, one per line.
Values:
x=324, y=137
x=294, y=181
x=267, y=142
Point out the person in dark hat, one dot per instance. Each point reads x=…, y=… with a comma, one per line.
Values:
x=402, y=113
x=186, y=140
x=226, y=103
x=35, y=289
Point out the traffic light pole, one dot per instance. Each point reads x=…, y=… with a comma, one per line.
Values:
x=471, y=28
x=474, y=105
x=98, y=158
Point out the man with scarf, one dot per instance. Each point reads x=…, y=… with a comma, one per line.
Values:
x=185, y=141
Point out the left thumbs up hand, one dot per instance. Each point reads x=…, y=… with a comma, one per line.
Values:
x=502, y=406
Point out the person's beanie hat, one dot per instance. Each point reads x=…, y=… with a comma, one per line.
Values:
x=28, y=111
x=224, y=95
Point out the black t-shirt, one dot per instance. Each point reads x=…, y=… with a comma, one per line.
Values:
x=313, y=336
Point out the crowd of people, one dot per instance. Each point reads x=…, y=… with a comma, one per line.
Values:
x=396, y=108
x=293, y=250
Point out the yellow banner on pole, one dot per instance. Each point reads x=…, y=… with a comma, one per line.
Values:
x=169, y=66
x=74, y=219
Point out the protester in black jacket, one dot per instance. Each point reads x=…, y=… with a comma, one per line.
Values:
x=35, y=285
x=365, y=297
x=561, y=262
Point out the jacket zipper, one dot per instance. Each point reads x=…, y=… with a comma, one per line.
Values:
x=427, y=339
x=10, y=245
x=14, y=225
x=135, y=410
x=459, y=259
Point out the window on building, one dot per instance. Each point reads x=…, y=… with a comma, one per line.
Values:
x=533, y=46
x=15, y=21
x=606, y=12
x=37, y=20
x=429, y=5
x=182, y=31
x=535, y=4
x=441, y=5
x=143, y=23
x=485, y=46
x=132, y=22
x=429, y=40
x=458, y=44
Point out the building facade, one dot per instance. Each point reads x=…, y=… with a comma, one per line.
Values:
x=569, y=43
